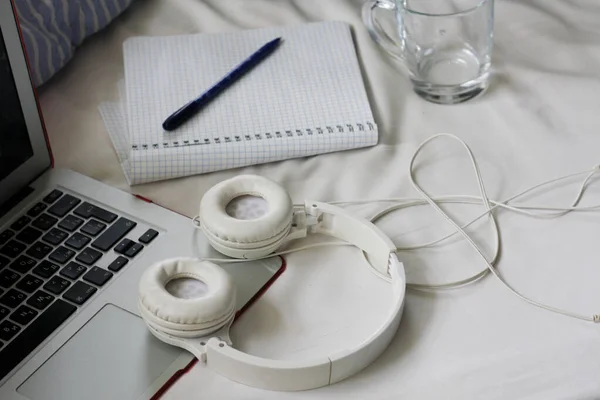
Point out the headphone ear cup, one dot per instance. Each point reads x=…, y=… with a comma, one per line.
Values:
x=246, y=238
x=180, y=317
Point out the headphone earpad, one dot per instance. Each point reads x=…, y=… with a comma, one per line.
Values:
x=186, y=317
x=251, y=237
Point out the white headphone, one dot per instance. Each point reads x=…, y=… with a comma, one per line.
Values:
x=201, y=325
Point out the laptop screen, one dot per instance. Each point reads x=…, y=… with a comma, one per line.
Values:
x=15, y=146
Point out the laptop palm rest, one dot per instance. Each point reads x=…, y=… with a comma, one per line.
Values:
x=97, y=372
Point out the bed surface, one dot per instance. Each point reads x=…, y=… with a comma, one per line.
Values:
x=539, y=120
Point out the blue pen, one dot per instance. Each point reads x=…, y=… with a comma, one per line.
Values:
x=190, y=109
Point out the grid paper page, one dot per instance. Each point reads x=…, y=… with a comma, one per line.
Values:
x=306, y=98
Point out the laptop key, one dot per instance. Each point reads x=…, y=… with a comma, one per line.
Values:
x=40, y=300
x=65, y=204
x=29, y=235
x=8, y=278
x=133, y=250
x=39, y=250
x=124, y=245
x=46, y=269
x=77, y=241
x=4, y=262
x=37, y=209
x=53, y=196
x=32, y=336
x=93, y=227
x=57, y=285
x=61, y=255
x=55, y=236
x=89, y=256
x=8, y=330
x=113, y=234
x=44, y=222
x=84, y=210
x=119, y=263
x=23, y=264
x=20, y=223
x=73, y=270
x=97, y=276
x=79, y=293
x=23, y=315
x=3, y=312
x=148, y=236
x=5, y=235
x=104, y=215
x=87, y=210
x=12, y=298
x=29, y=284
x=70, y=223
x=12, y=248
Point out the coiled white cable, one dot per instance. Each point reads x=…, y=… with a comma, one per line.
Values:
x=490, y=205
x=484, y=197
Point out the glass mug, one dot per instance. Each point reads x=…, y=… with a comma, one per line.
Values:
x=445, y=46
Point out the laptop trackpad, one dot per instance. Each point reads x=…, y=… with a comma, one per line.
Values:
x=123, y=362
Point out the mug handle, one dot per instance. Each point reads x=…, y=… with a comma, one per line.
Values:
x=378, y=35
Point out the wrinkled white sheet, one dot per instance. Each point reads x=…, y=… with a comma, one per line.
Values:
x=539, y=120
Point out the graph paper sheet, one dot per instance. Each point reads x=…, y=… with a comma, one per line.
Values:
x=306, y=98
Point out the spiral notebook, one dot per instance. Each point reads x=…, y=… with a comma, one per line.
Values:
x=305, y=99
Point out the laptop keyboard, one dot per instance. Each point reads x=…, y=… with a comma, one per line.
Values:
x=48, y=268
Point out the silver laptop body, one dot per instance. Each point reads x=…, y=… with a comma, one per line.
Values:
x=72, y=250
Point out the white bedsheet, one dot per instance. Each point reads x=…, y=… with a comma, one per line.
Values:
x=539, y=120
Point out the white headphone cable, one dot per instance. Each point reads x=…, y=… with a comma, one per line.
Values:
x=593, y=318
x=464, y=199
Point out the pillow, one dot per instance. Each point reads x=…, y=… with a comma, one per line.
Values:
x=52, y=29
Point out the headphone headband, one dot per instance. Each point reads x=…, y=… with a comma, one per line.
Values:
x=289, y=375
x=211, y=344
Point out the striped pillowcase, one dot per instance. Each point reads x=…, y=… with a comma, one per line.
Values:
x=52, y=29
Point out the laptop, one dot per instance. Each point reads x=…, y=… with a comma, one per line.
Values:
x=72, y=251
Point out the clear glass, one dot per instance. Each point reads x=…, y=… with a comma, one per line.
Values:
x=444, y=45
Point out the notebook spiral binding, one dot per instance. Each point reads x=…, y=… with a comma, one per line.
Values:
x=328, y=129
